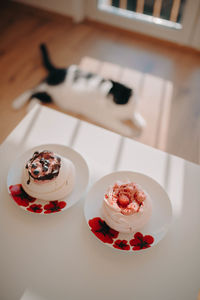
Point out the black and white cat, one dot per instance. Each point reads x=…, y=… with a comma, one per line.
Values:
x=104, y=101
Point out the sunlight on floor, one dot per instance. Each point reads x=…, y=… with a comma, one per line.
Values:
x=154, y=97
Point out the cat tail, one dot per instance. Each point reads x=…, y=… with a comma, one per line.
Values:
x=22, y=99
x=46, y=59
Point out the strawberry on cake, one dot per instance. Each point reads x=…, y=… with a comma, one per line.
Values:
x=48, y=176
x=126, y=207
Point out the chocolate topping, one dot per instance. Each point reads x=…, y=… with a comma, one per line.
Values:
x=43, y=165
x=36, y=172
x=45, y=168
x=46, y=162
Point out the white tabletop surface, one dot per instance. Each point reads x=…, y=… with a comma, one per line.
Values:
x=56, y=257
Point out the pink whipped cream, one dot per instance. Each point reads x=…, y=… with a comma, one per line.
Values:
x=127, y=197
x=126, y=207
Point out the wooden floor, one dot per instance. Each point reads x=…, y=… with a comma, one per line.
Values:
x=173, y=118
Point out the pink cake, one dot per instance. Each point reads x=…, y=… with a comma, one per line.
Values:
x=126, y=207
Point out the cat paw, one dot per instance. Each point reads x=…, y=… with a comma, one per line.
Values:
x=32, y=103
x=139, y=121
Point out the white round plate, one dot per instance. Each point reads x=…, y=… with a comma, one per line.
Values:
x=149, y=235
x=41, y=206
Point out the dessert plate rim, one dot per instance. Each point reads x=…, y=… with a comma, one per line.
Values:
x=156, y=228
x=37, y=206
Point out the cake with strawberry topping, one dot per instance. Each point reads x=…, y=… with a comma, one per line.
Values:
x=48, y=176
x=126, y=207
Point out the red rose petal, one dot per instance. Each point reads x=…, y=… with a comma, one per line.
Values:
x=138, y=235
x=141, y=242
x=95, y=224
x=102, y=230
x=135, y=248
x=51, y=211
x=114, y=233
x=20, y=196
x=104, y=238
x=20, y=201
x=36, y=208
x=49, y=206
x=54, y=206
x=121, y=244
x=148, y=239
x=135, y=242
x=15, y=189
x=62, y=204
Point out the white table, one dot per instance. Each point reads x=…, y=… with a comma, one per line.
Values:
x=56, y=257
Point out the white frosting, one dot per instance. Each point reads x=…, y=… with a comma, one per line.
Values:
x=127, y=223
x=54, y=189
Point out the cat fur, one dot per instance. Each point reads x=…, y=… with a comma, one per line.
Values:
x=104, y=101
